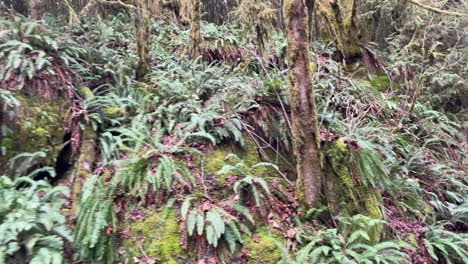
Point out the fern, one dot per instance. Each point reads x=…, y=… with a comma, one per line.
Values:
x=96, y=216
x=443, y=244
x=32, y=228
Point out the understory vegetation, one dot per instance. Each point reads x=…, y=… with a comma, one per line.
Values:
x=195, y=162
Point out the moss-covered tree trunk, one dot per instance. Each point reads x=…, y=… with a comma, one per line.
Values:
x=304, y=115
x=195, y=34
x=338, y=22
x=143, y=37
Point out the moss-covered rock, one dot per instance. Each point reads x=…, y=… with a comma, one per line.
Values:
x=37, y=124
x=157, y=236
x=262, y=247
x=344, y=195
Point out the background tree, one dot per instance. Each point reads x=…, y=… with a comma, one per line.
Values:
x=143, y=36
x=304, y=115
x=195, y=34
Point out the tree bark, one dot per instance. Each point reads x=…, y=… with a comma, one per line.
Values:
x=338, y=22
x=88, y=7
x=34, y=9
x=195, y=35
x=304, y=115
x=143, y=37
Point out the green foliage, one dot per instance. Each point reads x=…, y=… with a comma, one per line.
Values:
x=96, y=222
x=23, y=165
x=348, y=244
x=31, y=226
x=247, y=185
x=216, y=223
x=27, y=48
x=443, y=244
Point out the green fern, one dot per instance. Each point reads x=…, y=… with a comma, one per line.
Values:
x=32, y=228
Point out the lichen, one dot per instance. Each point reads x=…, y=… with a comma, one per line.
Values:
x=262, y=247
x=157, y=236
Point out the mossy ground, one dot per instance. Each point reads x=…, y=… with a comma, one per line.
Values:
x=157, y=236
x=262, y=247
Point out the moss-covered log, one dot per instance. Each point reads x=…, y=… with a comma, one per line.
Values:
x=304, y=115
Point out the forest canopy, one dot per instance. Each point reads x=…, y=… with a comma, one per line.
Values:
x=233, y=131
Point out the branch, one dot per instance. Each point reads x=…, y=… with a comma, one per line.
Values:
x=117, y=3
x=437, y=10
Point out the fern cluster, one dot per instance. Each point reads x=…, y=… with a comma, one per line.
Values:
x=31, y=226
x=351, y=243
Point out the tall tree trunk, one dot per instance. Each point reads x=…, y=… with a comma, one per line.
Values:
x=143, y=37
x=338, y=22
x=156, y=8
x=195, y=35
x=304, y=115
x=34, y=5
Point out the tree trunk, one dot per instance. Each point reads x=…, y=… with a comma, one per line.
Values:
x=338, y=22
x=156, y=8
x=88, y=7
x=304, y=115
x=34, y=9
x=195, y=35
x=143, y=37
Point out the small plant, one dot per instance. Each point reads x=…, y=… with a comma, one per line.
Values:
x=443, y=244
x=249, y=183
x=31, y=226
x=216, y=222
x=348, y=244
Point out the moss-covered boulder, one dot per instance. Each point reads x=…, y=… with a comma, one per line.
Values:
x=157, y=236
x=262, y=247
x=37, y=124
x=345, y=196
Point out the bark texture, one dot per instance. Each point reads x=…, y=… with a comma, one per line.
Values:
x=338, y=22
x=304, y=115
x=34, y=9
x=143, y=37
x=195, y=34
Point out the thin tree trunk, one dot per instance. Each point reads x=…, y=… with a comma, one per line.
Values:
x=88, y=7
x=143, y=37
x=304, y=115
x=195, y=35
x=34, y=9
x=156, y=8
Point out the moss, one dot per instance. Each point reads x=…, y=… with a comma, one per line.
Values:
x=39, y=126
x=263, y=249
x=381, y=83
x=344, y=195
x=158, y=236
x=113, y=112
x=85, y=92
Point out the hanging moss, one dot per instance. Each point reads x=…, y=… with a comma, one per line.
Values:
x=37, y=125
x=262, y=247
x=157, y=236
x=344, y=195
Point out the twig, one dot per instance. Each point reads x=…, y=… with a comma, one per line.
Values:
x=437, y=10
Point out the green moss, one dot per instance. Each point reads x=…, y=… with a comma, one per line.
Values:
x=85, y=92
x=159, y=234
x=113, y=112
x=39, y=126
x=263, y=249
x=381, y=83
x=344, y=195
